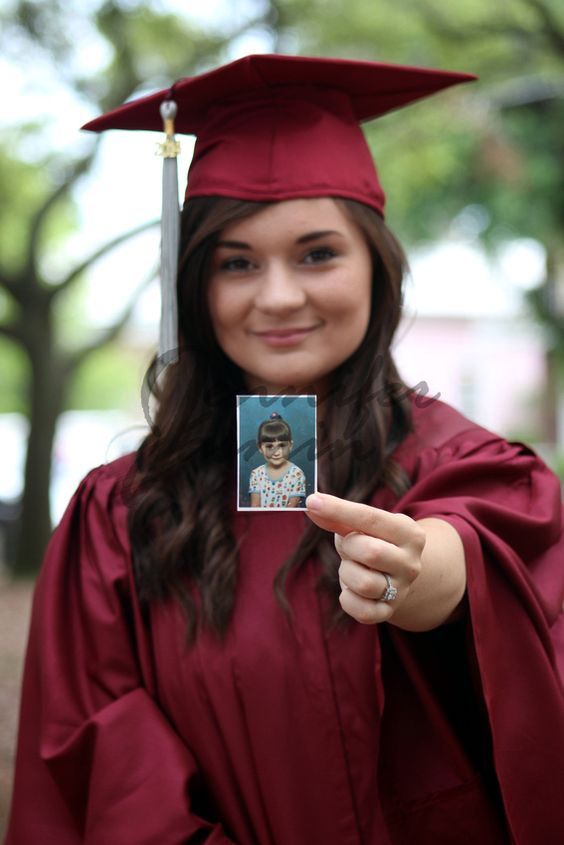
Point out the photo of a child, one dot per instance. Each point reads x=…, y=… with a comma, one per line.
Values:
x=276, y=442
x=278, y=483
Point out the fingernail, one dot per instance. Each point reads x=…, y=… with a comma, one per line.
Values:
x=314, y=503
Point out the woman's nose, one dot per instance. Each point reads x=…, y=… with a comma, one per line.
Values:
x=280, y=291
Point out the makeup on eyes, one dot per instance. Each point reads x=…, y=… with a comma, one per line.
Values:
x=316, y=255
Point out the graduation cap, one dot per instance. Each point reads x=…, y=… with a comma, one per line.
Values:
x=271, y=128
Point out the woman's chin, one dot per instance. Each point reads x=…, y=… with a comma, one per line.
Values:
x=293, y=386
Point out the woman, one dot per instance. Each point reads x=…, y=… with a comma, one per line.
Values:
x=198, y=674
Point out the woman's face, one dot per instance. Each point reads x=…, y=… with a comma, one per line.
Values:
x=290, y=293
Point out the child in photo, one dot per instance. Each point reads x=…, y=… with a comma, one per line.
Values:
x=278, y=483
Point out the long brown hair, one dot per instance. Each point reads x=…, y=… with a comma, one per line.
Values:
x=181, y=538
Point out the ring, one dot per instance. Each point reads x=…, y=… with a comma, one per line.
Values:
x=390, y=593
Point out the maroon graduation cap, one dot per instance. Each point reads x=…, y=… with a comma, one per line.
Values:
x=275, y=127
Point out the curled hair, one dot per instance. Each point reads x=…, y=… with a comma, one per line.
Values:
x=185, y=470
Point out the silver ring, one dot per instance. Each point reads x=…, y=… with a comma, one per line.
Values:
x=391, y=592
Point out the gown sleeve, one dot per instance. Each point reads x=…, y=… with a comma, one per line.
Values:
x=506, y=506
x=97, y=760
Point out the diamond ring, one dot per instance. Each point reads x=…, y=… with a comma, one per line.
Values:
x=390, y=593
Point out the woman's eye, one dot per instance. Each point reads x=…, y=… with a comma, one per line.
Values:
x=235, y=265
x=319, y=255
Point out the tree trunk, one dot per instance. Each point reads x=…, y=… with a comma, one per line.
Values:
x=45, y=406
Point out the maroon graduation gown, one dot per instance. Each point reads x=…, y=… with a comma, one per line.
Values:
x=293, y=734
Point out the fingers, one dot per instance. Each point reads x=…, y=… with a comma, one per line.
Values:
x=363, y=582
x=404, y=563
x=365, y=563
x=362, y=590
x=342, y=517
x=372, y=543
x=364, y=610
x=370, y=551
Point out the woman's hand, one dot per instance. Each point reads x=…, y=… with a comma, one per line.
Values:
x=424, y=561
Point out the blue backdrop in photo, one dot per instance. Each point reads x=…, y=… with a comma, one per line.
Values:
x=299, y=413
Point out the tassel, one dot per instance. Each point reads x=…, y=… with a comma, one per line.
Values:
x=170, y=236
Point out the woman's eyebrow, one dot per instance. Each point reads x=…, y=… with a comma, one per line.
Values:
x=314, y=236
x=303, y=239
x=233, y=245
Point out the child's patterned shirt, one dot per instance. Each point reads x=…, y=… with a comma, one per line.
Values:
x=275, y=493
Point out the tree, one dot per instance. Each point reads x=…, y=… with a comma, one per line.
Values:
x=145, y=47
x=519, y=163
x=497, y=144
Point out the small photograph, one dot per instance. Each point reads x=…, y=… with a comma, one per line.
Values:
x=276, y=441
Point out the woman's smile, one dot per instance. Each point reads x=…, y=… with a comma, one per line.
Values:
x=286, y=337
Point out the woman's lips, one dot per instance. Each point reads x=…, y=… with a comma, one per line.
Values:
x=285, y=337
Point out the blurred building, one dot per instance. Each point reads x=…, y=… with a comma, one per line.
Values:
x=468, y=336
x=492, y=370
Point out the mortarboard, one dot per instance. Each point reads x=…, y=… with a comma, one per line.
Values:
x=271, y=128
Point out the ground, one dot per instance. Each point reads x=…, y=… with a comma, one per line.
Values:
x=15, y=604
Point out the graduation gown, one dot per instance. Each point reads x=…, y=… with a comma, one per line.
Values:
x=293, y=733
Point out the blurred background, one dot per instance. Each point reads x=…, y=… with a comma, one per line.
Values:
x=475, y=184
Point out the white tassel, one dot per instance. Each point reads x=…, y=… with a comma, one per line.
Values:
x=170, y=237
